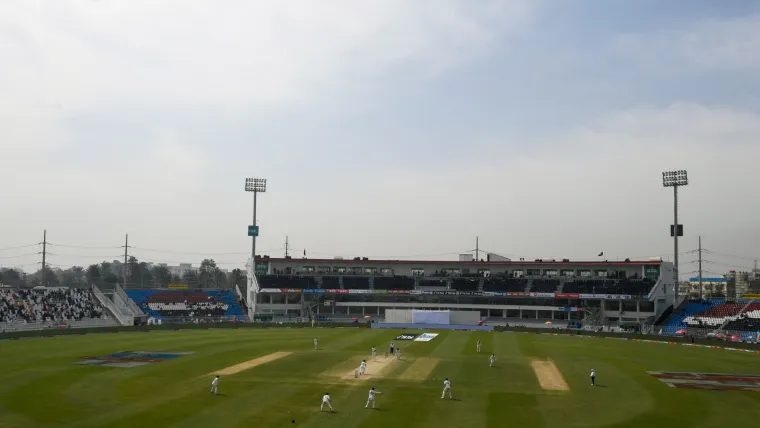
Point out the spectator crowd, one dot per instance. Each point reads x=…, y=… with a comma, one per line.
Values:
x=35, y=305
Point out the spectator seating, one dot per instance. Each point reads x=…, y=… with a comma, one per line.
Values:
x=504, y=284
x=633, y=287
x=286, y=281
x=738, y=318
x=48, y=304
x=393, y=283
x=544, y=285
x=465, y=284
x=432, y=283
x=330, y=282
x=356, y=282
x=175, y=303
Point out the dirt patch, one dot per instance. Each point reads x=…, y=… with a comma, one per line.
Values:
x=237, y=368
x=374, y=369
x=420, y=369
x=549, y=376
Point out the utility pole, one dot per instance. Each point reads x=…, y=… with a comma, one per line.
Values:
x=700, y=268
x=126, y=246
x=477, y=249
x=286, y=247
x=44, y=250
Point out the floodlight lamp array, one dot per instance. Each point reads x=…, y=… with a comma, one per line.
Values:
x=256, y=185
x=675, y=178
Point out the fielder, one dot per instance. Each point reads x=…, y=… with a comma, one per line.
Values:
x=371, y=397
x=398, y=353
x=446, y=387
x=326, y=400
x=478, y=346
x=492, y=359
x=593, y=377
x=363, y=367
x=316, y=342
x=374, y=354
x=214, y=385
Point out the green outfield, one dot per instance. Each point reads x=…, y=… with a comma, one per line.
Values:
x=273, y=376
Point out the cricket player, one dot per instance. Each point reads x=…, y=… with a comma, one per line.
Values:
x=492, y=359
x=214, y=384
x=593, y=377
x=326, y=400
x=398, y=353
x=371, y=397
x=446, y=387
x=316, y=343
x=478, y=346
x=363, y=367
x=392, y=348
x=374, y=353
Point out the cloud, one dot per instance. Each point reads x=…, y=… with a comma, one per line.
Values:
x=594, y=187
x=709, y=45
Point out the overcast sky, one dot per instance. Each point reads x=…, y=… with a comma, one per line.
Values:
x=385, y=128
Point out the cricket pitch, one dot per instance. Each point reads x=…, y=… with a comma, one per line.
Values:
x=549, y=376
x=237, y=368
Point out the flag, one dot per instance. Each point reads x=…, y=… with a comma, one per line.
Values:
x=601, y=254
x=304, y=252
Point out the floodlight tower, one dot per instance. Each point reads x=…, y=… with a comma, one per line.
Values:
x=256, y=186
x=675, y=179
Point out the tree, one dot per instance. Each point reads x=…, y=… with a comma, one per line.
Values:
x=237, y=277
x=208, y=273
x=51, y=278
x=12, y=277
x=161, y=275
x=94, y=274
x=73, y=277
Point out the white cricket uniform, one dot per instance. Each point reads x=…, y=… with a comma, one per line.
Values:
x=593, y=377
x=325, y=400
x=478, y=346
x=446, y=387
x=374, y=353
x=371, y=398
x=398, y=353
x=362, y=367
x=214, y=385
x=315, y=343
x=493, y=360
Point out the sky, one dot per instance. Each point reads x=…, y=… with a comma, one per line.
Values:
x=385, y=129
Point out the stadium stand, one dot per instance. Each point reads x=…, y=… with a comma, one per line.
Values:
x=286, y=281
x=173, y=303
x=735, y=320
x=64, y=304
x=506, y=285
x=633, y=287
x=356, y=282
x=544, y=285
x=393, y=283
x=465, y=284
x=330, y=282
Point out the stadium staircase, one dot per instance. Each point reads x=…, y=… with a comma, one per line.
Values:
x=117, y=308
x=528, y=285
x=480, y=284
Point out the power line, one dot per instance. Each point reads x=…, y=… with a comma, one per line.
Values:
x=731, y=255
x=180, y=262
x=197, y=254
x=19, y=255
x=20, y=246
x=92, y=247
